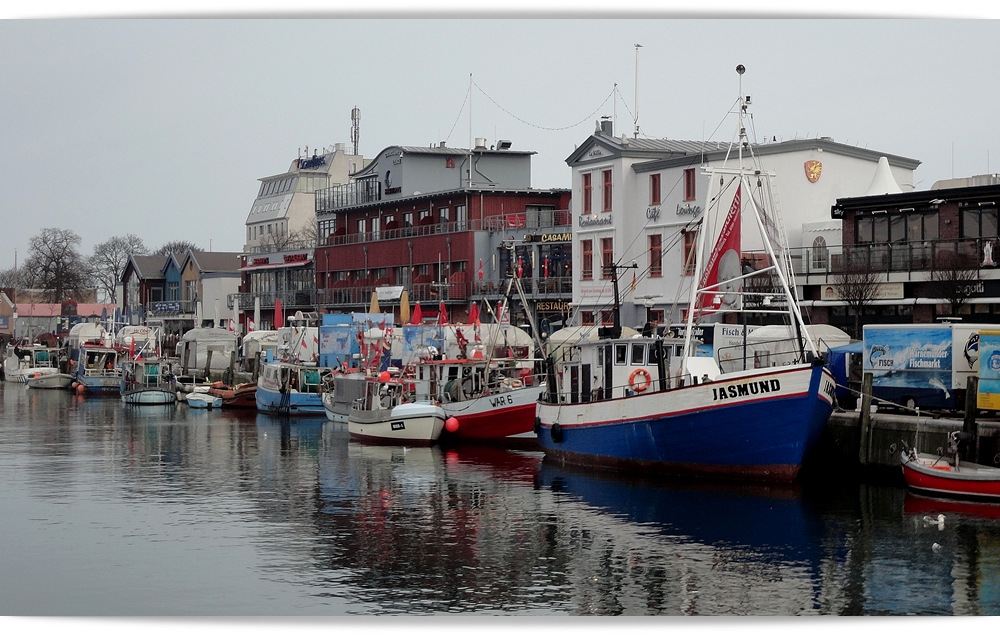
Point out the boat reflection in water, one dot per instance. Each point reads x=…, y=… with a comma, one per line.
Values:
x=693, y=546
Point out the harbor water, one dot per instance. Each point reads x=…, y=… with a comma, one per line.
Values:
x=112, y=510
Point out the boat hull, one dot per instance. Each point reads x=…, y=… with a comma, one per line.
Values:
x=54, y=381
x=755, y=425
x=500, y=417
x=932, y=475
x=291, y=402
x=406, y=424
x=22, y=375
x=204, y=400
x=149, y=397
x=101, y=384
x=244, y=396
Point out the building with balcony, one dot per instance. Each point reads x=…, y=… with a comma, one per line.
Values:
x=281, y=232
x=640, y=200
x=928, y=253
x=446, y=225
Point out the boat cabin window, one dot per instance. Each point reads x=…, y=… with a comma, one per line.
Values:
x=621, y=353
x=638, y=354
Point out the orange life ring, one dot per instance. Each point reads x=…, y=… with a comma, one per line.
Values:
x=647, y=380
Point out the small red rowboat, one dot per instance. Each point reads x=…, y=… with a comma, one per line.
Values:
x=945, y=475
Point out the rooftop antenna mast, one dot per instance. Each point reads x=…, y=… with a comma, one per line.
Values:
x=636, y=98
x=355, y=127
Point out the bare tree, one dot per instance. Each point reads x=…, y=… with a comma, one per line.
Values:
x=55, y=266
x=8, y=278
x=109, y=259
x=301, y=239
x=859, y=286
x=956, y=279
x=175, y=247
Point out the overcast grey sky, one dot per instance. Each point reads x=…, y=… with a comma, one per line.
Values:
x=161, y=128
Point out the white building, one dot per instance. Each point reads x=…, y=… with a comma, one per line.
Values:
x=638, y=200
x=286, y=203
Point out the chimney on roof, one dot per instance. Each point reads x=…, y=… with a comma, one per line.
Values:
x=607, y=127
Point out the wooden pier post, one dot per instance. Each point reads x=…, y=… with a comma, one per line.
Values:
x=231, y=380
x=187, y=358
x=256, y=365
x=864, y=446
x=208, y=365
x=970, y=451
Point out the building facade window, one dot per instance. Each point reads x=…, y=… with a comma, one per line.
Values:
x=689, y=185
x=607, y=257
x=654, y=316
x=607, y=317
x=587, y=192
x=607, y=190
x=362, y=224
x=587, y=318
x=979, y=223
x=655, y=255
x=690, y=244
x=654, y=189
x=820, y=253
x=587, y=259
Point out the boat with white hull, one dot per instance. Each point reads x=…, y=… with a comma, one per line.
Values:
x=385, y=416
x=146, y=382
x=51, y=381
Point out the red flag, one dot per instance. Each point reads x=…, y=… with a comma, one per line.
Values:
x=474, y=318
x=250, y=325
x=131, y=348
x=545, y=267
x=723, y=263
x=279, y=317
x=418, y=315
x=520, y=267
x=480, y=268
x=442, y=314
x=634, y=281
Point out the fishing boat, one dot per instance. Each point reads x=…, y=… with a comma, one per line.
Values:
x=52, y=381
x=146, y=382
x=290, y=388
x=239, y=396
x=340, y=393
x=947, y=475
x=28, y=361
x=386, y=415
x=483, y=400
x=650, y=404
x=98, y=369
x=204, y=400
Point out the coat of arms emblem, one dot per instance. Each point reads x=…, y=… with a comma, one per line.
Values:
x=813, y=169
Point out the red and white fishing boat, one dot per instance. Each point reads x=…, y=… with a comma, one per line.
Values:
x=945, y=475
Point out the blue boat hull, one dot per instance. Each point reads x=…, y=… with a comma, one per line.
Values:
x=757, y=425
x=295, y=403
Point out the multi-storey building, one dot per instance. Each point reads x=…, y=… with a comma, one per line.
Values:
x=927, y=254
x=640, y=200
x=446, y=225
x=281, y=232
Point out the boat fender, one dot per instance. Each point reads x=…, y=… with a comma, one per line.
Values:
x=557, y=433
x=646, y=379
x=537, y=427
x=451, y=424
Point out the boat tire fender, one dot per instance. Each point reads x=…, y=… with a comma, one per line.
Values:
x=537, y=427
x=557, y=433
x=646, y=379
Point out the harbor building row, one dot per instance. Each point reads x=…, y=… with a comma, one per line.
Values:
x=449, y=225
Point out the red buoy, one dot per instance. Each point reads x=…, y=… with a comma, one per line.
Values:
x=451, y=424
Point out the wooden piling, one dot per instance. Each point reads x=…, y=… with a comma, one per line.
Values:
x=208, y=365
x=970, y=450
x=187, y=358
x=256, y=365
x=864, y=446
x=231, y=380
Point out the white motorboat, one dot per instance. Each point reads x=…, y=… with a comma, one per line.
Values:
x=384, y=415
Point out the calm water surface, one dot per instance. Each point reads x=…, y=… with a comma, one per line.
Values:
x=113, y=510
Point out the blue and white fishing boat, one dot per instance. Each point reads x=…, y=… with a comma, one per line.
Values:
x=146, y=382
x=98, y=369
x=656, y=406
x=288, y=388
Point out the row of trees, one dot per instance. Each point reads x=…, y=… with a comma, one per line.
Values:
x=56, y=267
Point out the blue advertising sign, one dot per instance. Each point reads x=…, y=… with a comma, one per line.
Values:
x=989, y=370
x=909, y=357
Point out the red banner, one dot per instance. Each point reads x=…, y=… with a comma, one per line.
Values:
x=723, y=264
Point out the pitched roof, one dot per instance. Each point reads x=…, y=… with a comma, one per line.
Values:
x=148, y=267
x=214, y=261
